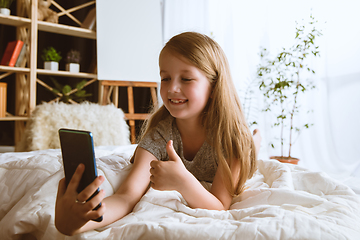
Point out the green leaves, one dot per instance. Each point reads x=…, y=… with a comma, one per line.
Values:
x=281, y=84
x=281, y=117
x=5, y=3
x=50, y=54
x=67, y=93
x=66, y=89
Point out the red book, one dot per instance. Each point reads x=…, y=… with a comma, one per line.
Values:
x=11, y=53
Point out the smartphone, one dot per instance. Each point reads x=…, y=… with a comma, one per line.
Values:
x=78, y=147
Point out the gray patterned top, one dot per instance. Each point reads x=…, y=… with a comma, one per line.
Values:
x=203, y=166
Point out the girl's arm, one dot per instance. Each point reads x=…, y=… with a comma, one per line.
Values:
x=72, y=217
x=218, y=198
x=172, y=175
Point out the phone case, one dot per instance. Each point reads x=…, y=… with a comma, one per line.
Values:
x=77, y=147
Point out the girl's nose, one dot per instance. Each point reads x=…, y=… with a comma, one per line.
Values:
x=174, y=86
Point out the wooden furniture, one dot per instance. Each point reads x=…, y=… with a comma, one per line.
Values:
x=3, y=87
x=27, y=76
x=109, y=93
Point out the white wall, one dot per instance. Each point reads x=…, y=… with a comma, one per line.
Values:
x=129, y=39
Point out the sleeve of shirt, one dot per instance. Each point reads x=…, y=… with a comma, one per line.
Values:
x=155, y=142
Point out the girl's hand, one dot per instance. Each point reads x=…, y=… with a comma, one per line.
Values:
x=168, y=175
x=71, y=210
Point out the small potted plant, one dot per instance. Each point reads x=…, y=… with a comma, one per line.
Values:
x=283, y=79
x=73, y=61
x=5, y=6
x=67, y=94
x=51, y=58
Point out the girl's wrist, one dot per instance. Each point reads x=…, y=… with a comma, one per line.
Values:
x=186, y=182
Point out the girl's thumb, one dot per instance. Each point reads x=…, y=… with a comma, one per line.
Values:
x=171, y=151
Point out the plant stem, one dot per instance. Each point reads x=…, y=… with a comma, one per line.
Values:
x=282, y=130
x=293, y=109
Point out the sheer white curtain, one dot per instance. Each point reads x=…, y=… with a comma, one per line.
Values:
x=241, y=27
x=185, y=15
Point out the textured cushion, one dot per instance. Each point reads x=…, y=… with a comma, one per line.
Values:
x=106, y=122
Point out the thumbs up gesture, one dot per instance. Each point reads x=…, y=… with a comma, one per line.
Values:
x=168, y=175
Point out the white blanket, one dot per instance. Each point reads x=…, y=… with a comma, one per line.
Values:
x=282, y=201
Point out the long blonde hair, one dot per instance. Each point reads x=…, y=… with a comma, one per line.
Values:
x=223, y=117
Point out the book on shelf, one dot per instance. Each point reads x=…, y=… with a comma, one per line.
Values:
x=90, y=20
x=11, y=53
x=21, y=57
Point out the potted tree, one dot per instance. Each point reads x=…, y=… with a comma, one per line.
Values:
x=283, y=79
x=51, y=58
x=5, y=6
x=73, y=61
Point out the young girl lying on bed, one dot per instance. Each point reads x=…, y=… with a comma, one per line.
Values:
x=199, y=134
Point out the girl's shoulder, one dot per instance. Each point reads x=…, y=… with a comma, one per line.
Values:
x=162, y=130
x=155, y=140
x=166, y=123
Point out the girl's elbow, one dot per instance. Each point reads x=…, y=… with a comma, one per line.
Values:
x=221, y=206
x=225, y=204
x=225, y=207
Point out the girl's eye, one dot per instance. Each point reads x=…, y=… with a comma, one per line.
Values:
x=165, y=79
x=186, y=79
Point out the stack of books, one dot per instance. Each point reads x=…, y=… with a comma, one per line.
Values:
x=14, y=54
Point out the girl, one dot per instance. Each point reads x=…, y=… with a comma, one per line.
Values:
x=199, y=134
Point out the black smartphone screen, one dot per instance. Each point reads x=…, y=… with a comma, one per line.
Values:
x=77, y=147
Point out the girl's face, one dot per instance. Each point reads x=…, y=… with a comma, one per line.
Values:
x=185, y=89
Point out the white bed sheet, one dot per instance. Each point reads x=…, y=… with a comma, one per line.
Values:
x=282, y=201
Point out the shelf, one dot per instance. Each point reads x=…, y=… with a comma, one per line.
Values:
x=48, y=72
x=14, y=118
x=5, y=149
x=14, y=21
x=48, y=27
x=14, y=69
x=66, y=73
x=66, y=30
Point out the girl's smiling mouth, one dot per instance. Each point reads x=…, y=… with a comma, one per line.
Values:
x=178, y=100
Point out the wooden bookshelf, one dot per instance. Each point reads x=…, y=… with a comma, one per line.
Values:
x=27, y=76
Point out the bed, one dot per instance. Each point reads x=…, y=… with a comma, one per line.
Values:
x=282, y=201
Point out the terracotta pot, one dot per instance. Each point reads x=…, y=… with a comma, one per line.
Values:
x=286, y=159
